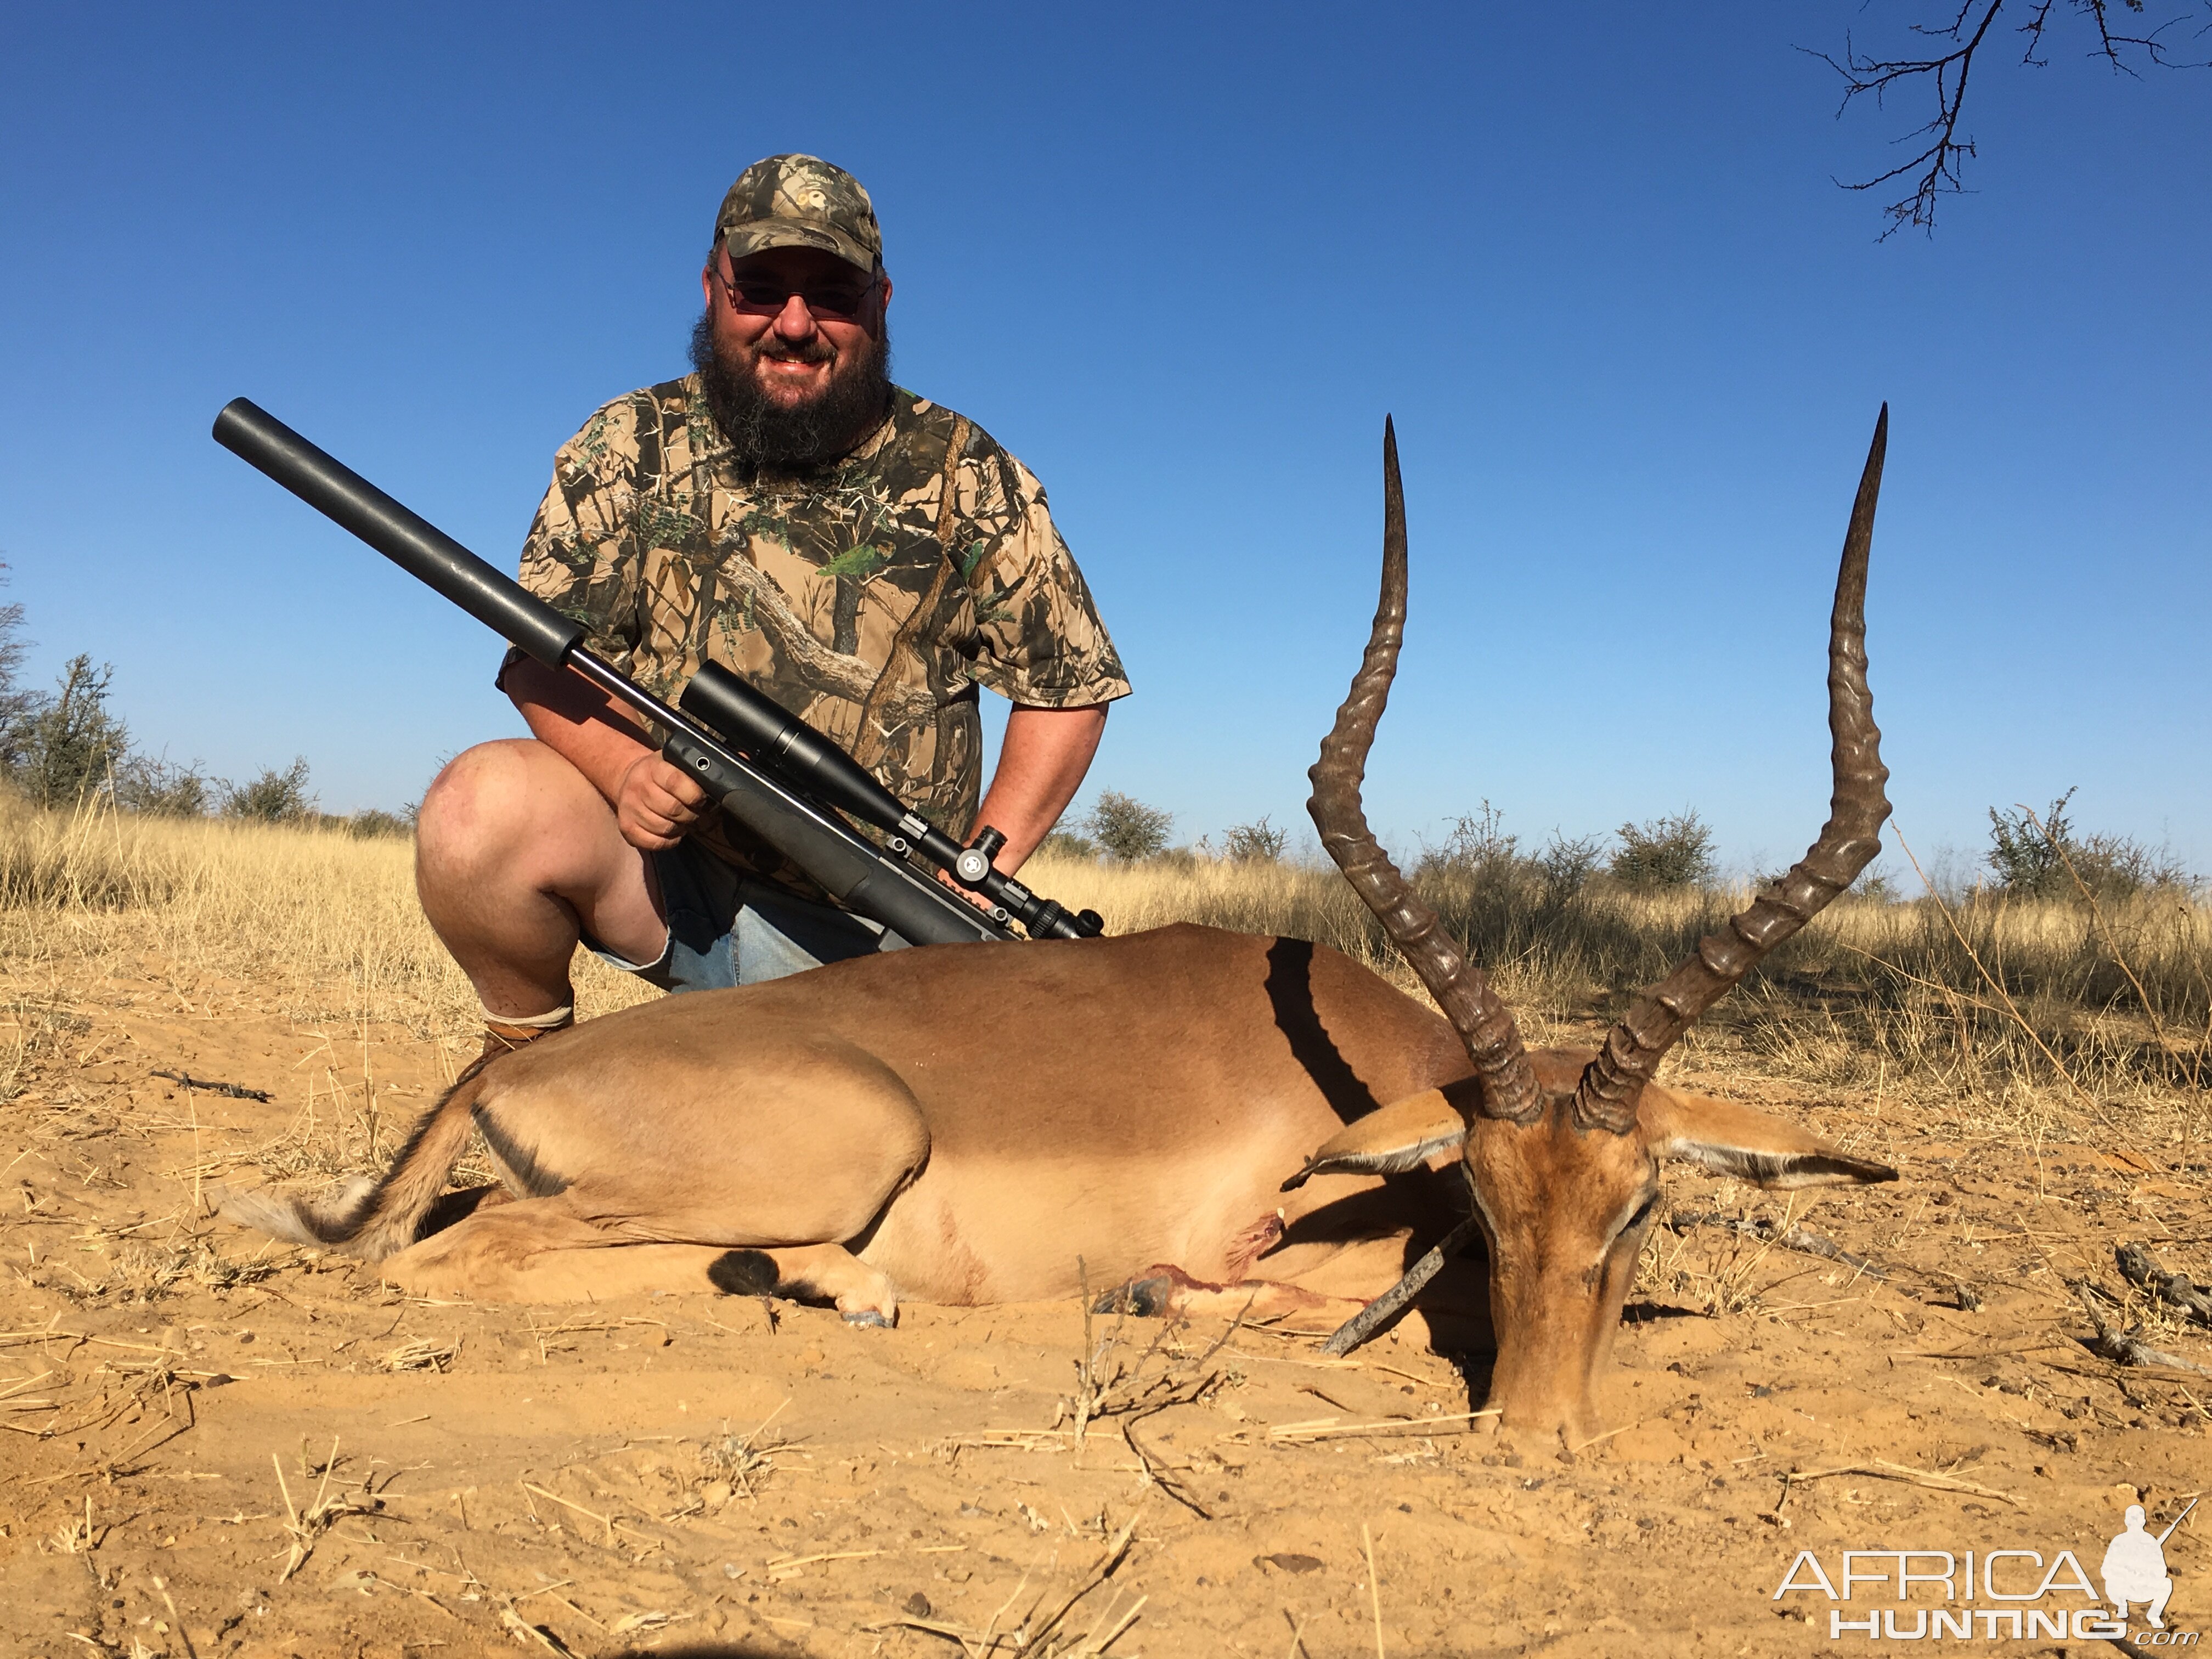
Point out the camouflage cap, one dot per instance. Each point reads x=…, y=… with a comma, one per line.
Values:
x=800, y=201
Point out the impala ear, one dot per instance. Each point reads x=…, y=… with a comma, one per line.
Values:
x=1767, y=1152
x=1402, y=1136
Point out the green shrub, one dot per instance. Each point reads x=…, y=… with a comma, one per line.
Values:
x=1259, y=840
x=2031, y=861
x=1674, y=850
x=1126, y=829
x=71, y=743
x=155, y=786
x=371, y=822
x=1067, y=844
x=275, y=797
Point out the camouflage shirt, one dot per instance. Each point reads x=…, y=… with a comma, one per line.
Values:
x=847, y=594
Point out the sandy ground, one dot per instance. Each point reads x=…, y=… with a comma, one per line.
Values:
x=212, y=1445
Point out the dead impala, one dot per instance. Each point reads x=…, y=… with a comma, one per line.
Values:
x=865, y=1131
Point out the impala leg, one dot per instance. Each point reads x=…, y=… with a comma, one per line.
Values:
x=812, y=1273
x=759, y=1204
x=538, y=1250
x=1451, y=1311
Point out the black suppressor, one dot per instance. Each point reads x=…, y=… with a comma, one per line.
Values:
x=782, y=802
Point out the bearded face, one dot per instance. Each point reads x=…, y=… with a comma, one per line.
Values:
x=777, y=417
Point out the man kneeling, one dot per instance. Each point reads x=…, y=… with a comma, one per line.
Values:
x=865, y=556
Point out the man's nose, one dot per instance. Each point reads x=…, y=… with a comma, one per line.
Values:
x=794, y=323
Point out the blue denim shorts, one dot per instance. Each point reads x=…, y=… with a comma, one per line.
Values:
x=727, y=928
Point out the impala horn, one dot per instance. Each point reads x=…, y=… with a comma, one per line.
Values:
x=1611, y=1085
x=1508, y=1081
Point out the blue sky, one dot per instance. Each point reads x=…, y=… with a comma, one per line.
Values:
x=1181, y=261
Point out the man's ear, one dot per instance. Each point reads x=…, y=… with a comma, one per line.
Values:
x=1735, y=1140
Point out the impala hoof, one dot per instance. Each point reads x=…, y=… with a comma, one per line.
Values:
x=868, y=1316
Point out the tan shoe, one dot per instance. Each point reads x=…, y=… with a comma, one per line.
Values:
x=504, y=1038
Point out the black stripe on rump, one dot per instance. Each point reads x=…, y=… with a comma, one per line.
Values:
x=518, y=1161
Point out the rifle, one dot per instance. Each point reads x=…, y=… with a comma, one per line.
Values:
x=765, y=766
x=2177, y=1520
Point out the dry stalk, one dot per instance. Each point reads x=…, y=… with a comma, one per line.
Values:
x=422, y=1355
x=1993, y=981
x=738, y=1458
x=1877, y=1469
x=1374, y=1588
x=328, y=1508
x=1044, y=1635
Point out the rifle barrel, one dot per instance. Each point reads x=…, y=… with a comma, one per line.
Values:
x=408, y=540
x=2177, y=1520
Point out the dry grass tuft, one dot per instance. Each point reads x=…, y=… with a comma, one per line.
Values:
x=304, y=1527
x=738, y=1460
x=422, y=1355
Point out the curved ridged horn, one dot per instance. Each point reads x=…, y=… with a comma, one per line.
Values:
x=1508, y=1081
x=1607, y=1096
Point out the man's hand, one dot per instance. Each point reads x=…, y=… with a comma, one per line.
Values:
x=656, y=803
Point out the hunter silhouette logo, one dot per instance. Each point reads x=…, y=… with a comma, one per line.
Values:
x=2135, y=1567
x=2022, y=1594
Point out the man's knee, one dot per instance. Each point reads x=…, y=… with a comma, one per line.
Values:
x=491, y=799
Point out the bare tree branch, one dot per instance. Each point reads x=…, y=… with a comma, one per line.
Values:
x=1934, y=169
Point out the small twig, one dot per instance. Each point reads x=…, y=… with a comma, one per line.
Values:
x=235, y=1090
x=612, y=1525
x=1153, y=1474
x=788, y=1565
x=1878, y=1470
x=1384, y=1308
x=1100, y=1570
x=1374, y=1588
x=1330, y=1426
x=177, y=1623
x=1585, y=1445
x=1804, y=1240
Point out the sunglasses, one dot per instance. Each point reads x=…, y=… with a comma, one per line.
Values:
x=835, y=299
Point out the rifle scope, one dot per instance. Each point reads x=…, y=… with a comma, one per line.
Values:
x=772, y=735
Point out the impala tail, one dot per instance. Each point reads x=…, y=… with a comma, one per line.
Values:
x=371, y=1219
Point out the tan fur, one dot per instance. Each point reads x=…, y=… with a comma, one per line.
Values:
x=954, y=1125
x=1565, y=1212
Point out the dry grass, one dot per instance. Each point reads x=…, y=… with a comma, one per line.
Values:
x=1988, y=997
x=297, y=910
x=1994, y=1000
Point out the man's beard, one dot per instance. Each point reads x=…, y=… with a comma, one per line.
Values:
x=768, y=436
